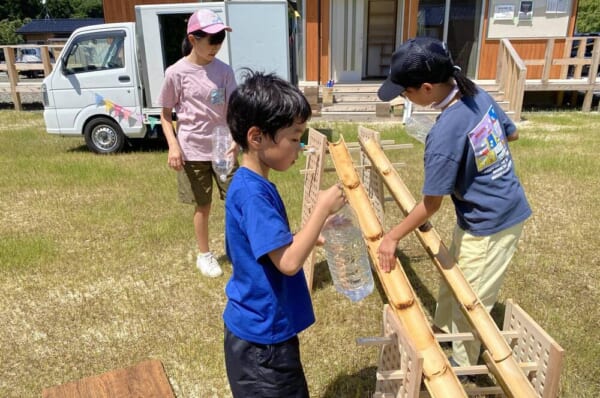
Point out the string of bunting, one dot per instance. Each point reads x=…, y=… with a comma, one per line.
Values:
x=123, y=113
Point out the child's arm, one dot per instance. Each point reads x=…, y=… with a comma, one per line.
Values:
x=418, y=215
x=289, y=259
x=175, y=157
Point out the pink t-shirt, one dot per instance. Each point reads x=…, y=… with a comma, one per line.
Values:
x=199, y=96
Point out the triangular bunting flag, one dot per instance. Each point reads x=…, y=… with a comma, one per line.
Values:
x=152, y=121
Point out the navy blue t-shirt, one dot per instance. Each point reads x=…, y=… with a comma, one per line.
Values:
x=264, y=305
x=467, y=157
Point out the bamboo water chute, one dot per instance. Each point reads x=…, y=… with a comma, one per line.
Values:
x=498, y=355
x=439, y=378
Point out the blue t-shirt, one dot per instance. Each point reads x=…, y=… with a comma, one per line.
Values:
x=264, y=306
x=467, y=157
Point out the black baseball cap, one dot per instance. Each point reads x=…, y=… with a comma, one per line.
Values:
x=417, y=61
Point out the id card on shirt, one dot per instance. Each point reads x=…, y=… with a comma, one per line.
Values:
x=488, y=142
x=217, y=96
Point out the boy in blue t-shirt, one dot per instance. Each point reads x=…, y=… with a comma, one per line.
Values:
x=268, y=299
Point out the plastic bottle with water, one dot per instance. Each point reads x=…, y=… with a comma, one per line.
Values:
x=417, y=126
x=346, y=254
x=222, y=163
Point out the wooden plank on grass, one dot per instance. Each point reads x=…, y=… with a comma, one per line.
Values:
x=146, y=379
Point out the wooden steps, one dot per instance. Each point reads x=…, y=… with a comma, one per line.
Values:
x=359, y=102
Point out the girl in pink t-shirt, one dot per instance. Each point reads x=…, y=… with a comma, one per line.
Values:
x=197, y=87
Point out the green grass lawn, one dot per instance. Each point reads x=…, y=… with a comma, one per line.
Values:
x=97, y=263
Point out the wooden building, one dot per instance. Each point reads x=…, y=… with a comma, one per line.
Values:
x=351, y=41
x=124, y=10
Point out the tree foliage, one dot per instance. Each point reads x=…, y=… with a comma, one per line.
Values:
x=34, y=9
x=8, y=28
x=16, y=13
x=588, y=16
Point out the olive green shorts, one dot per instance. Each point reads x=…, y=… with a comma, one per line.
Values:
x=195, y=183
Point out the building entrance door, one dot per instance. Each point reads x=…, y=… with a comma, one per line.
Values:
x=347, y=33
x=381, y=37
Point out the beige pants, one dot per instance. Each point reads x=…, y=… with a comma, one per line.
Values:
x=484, y=261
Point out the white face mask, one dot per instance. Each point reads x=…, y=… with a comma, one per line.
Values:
x=444, y=103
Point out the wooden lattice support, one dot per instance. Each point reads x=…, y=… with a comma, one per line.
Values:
x=398, y=369
x=533, y=344
x=315, y=164
x=400, y=366
x=370, y=178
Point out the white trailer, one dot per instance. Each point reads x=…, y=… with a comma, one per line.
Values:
x=108, y=77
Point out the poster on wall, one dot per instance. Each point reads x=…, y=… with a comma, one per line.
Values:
x=526, y=10
x=557, y=6
x=529, y=19
x=504, y=12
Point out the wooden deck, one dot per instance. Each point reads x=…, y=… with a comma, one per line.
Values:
x=579, y=73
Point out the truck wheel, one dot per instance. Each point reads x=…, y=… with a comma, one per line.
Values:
x=103, y=135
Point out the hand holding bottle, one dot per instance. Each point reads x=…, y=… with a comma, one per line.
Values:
x=332, y=199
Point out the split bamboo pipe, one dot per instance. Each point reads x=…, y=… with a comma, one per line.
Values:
x=501, y=362
x=439, y=378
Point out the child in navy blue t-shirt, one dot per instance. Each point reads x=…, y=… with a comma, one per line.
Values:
x=268, y=298
x=467, y=157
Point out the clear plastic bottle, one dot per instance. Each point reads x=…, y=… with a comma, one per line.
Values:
x=418, y=127
x=221, y=162
x=346, y=254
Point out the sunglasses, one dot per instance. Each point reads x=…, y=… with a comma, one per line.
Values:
x=213, y=40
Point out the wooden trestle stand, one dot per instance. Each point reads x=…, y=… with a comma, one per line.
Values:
x=411, y=352
x=400, y=367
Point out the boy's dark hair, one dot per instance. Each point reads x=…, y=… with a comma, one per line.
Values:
x=186, y=45
x=265, y=101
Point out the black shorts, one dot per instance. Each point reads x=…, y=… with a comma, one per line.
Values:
x=264, y=370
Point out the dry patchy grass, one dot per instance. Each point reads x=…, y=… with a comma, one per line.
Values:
x=97, y=270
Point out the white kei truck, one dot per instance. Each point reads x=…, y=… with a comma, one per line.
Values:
x=106, y=81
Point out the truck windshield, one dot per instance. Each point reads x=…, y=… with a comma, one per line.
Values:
x=100, y=51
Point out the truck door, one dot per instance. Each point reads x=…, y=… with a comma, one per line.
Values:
x=98, y=77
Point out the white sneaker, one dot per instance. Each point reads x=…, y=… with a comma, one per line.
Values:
x=208, y=265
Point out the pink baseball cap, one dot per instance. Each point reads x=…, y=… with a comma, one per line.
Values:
x=206, y=21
